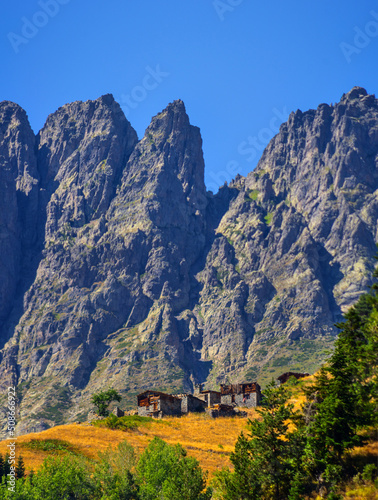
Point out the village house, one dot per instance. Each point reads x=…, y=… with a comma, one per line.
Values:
x=209, y=397
x=215, y=403
x=191, y=403
x=248, y=394
x=156, y=404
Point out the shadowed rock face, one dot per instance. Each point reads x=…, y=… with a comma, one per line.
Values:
x=118, y=269
x=18, y=200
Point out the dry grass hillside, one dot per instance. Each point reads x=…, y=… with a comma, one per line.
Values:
x=209, y=440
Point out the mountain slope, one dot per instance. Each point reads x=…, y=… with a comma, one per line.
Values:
x=123, y=271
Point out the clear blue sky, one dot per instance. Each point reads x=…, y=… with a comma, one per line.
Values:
x=240, y=66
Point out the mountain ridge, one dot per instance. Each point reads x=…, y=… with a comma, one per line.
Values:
x=121, y=269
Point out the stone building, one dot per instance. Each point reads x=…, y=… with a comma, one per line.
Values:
x=248, y=394
x=211, y=398
x=191, y=403
x=157, y=404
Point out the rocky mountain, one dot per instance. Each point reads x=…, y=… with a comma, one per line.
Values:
x=118, y=268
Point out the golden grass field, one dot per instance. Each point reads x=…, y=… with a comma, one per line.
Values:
x=209, y=440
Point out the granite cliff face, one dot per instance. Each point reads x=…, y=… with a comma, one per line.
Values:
x=119, y=269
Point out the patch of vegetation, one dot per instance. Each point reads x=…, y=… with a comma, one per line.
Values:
x=262, y=353
x=50, y=445
x=221, y=274
x=56, y=412
x=127, y=423
x=268, y=218
x=282, y=361
x=253, y=194
x=150, y=138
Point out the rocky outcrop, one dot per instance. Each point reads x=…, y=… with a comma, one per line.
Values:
x=120, y=270
x=301, y=235
x=18, y=202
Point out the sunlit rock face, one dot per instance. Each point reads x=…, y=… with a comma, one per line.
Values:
x=119, y=270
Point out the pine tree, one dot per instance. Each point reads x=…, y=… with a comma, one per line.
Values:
x=2, y=464
x=20, y=468
x=6, y=465
x=265, y=461
x=344, y=396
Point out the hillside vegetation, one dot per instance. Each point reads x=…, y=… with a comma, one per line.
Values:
x=316, y=437
x=210, y=441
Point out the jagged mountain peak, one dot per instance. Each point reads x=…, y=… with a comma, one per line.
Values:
x=174, y=147
x=142, y=280
x=11, y=106
x=354, y=93
x=172, y=120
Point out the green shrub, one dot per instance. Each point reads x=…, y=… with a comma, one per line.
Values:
x=165, y=472
x=128, y=423
x=50, y=445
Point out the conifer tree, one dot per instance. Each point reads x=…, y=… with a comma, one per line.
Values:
x=20, y=468
x=265, y=461
x=2, y=470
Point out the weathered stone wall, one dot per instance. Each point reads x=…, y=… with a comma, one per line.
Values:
x=249, y=400
x=226, y=399
x=118, y=412
x=192, y=403
x=145, y=411
x=170, y=406
x=214, y=398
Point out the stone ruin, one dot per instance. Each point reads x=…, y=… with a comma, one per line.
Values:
x=216, y=403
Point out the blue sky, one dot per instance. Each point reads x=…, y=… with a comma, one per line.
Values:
x=240, y=66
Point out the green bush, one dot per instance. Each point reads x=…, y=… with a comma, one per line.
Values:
x=59, y=478
x=127, y=423
x=165, y=472
x=50, y=445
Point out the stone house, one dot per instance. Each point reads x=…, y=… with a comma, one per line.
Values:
x=191, y=403
x=219, y=403
x=211, y=398
x=156, y=404
x=248, y=394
